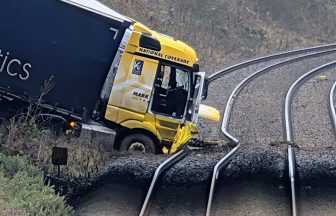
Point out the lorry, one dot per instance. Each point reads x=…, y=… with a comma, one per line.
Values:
x=112, y=76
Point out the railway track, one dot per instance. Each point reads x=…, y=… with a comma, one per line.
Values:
x=291, y=153
x=332, y=107
x=284, y=189
x=324, y=125
x=158, y=173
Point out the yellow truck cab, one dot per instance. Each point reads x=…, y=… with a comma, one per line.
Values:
x=136, y=88
x=157, y=87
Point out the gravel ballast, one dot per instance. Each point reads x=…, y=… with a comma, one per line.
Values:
x=219, y=93
x=311, y=114
x=258, y=111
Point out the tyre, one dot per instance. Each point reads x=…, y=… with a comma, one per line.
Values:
x=137, y=142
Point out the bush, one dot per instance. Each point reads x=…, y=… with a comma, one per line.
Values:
x=23, y=191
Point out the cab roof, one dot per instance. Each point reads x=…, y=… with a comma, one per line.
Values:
x=170, y=46
x=98, y=8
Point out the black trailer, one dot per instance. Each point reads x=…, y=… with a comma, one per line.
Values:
x=74, y=41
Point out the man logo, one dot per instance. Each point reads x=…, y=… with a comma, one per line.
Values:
x=137, y=68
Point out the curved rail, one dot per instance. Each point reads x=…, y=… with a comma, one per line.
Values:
x=332, y=107
x=289, y=134
x=158, y=173
x=289, y=98
x=239, y=88
x=247, y=63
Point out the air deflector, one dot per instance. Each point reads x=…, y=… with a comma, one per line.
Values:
x=150, y=42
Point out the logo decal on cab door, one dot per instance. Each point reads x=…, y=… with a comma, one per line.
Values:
x=137, y=68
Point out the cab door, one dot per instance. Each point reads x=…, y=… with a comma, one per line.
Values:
x=197, y=97
x=169, y=100
x=139, y=84
x=132, y=89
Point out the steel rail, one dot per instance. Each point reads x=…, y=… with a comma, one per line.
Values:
x=167, y=164
x=289, y=134
x=332, y=107
x=215, y=174
x=227, y=114
x=235, y=93
x=292, y=179
x=250, y=62
x=289, y=98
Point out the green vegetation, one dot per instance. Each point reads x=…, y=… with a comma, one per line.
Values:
x=23, y=191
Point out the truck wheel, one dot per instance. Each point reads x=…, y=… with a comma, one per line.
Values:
x=137, y=143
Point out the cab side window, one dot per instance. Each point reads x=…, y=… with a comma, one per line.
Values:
x=170, y=91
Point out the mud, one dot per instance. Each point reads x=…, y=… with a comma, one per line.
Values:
x=317, y=200
x=111, y=199
x=260, y=196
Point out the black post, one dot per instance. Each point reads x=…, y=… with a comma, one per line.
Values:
x=59, y=171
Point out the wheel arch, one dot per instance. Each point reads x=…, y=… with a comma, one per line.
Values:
x=127, y=132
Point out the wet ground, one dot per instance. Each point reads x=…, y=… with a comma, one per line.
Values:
x=261, y=197
x=244, y=197
x=111, y=199
x=318, y=200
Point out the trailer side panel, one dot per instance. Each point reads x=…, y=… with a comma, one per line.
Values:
x=44, y=38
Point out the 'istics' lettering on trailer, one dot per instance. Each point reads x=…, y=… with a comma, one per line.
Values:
x=14, y=67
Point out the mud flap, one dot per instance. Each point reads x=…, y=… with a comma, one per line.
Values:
x=183, y=135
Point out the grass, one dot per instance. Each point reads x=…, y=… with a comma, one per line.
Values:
x=23, y=191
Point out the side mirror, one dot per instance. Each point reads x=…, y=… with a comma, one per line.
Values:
x=205, y=89
x=196, y=68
